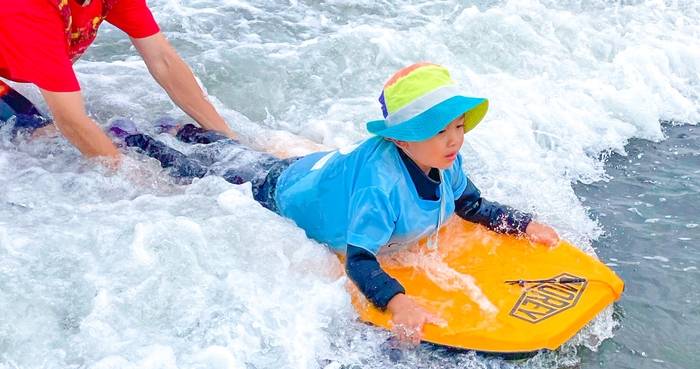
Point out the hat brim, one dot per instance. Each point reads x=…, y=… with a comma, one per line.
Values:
x=432, y=121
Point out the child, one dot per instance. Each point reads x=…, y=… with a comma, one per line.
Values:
x=380, y=195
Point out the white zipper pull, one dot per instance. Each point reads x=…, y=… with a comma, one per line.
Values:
x=433, y=245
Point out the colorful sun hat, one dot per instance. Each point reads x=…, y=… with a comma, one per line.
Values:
x=421, y=100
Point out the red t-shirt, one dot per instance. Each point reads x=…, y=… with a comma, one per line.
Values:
x=35, y=46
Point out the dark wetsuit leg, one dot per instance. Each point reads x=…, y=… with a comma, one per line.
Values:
x=261, y=169
x=168, y=157
x=228, y=158
x=193, y=134
x=13, y=104
x=264, y=191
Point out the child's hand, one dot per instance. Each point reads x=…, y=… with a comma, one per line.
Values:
x=542, y=233
x=408, y=319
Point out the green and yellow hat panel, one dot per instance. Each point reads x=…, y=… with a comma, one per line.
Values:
x=420, y=100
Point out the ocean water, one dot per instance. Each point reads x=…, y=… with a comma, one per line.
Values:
x=132, y=270
x=649, y=209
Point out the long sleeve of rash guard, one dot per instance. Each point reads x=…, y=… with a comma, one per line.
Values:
x=500, y=218
x=363, y=268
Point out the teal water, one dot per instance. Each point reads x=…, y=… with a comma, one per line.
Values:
x=649, y=210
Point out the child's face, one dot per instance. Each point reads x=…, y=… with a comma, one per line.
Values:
x=439, y=151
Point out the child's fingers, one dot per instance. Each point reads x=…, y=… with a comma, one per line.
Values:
x=551, y=238
x=434, y=319
x=416, y=338
x=549, y=241
x=406, y=334
x=542, y=233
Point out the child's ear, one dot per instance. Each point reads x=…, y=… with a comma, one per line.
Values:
x=401, y=144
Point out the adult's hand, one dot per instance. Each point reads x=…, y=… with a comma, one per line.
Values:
x=68, y=110
x=171, y=72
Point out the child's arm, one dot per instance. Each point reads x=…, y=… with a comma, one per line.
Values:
x=364, y=269
x=372, y=222
x=501, y=218
x=386, y=293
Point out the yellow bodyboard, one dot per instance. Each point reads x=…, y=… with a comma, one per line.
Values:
x=466, y=282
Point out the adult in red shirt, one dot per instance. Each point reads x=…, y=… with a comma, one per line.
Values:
x=41, y=39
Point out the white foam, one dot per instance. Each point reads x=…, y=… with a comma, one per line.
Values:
x=442, y=274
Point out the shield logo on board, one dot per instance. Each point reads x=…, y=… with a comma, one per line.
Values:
x=548, y=298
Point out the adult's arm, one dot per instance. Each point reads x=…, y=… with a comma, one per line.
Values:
x=171, y=72
x=32, y=43
x=69, y=114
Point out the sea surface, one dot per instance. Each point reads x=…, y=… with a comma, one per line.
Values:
x=649, y=210
x=594, y=106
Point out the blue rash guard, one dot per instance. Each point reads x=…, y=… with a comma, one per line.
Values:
x=363, y=195
x=372, y=198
